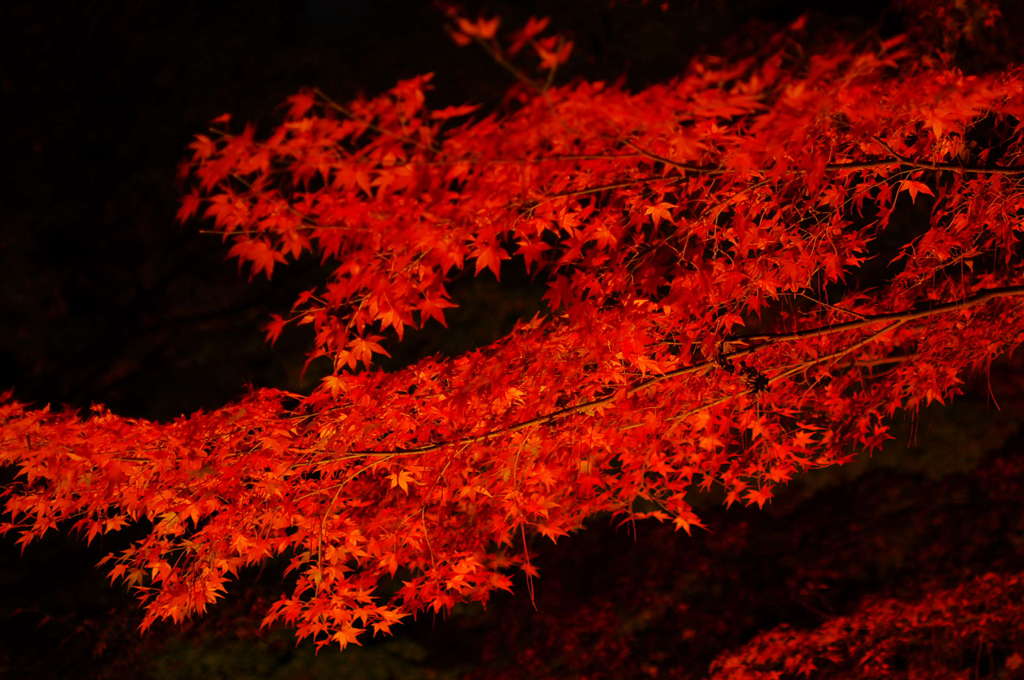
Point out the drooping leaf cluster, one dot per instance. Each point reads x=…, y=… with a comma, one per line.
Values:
x=875, y=641
x=887, y=574
x=748, y=270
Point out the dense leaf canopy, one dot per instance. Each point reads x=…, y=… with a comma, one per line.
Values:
x=748, y=270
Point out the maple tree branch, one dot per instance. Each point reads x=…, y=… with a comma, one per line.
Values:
x=494, y=53
x=896, y=159
x=909, y=315
x=831, y=306
x=693, y=168
x=950, y=167
x=529, y=161
x=801, y=365
x=306, y=224
x=790, y=370
x=370, y=125
x=884, y=361
x=445, y=162
x=829, y=167
x=762, y=341
x=605, y=187
x=686, y=167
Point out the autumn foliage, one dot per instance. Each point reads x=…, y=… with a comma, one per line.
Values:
x=749, y=269
x=865, y=644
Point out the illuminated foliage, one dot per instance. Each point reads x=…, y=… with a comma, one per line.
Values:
x=748, y=270
x=887, y=637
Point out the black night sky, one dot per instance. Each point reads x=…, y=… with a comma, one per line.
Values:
x=107, y=299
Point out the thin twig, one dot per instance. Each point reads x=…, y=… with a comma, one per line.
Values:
x=949, y=167
x=518, y=74
x=334, y=499
x=376, y=128
x=909, y=315
x=693, y=169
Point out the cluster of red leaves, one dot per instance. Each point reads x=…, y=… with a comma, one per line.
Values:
x=886, y=638
x=951, y=21
x=552, y=51
x=723, y=311
x=885, y=549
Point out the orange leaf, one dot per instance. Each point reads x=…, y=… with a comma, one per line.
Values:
x=485, y=29
x=914, y=188
x=274, y=327
x=490, y=256
x=659, y=211
x=258, y=253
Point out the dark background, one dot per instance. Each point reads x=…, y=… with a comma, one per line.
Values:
x=106, y=299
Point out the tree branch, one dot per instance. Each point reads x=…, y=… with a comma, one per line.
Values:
x=752, y=343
